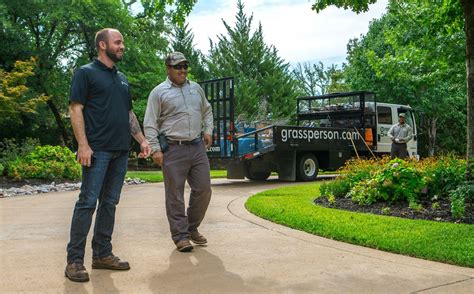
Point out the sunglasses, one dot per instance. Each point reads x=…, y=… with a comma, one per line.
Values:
x=180, y=66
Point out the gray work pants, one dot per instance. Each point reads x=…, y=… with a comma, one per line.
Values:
x=181, y=163
x=399, y=150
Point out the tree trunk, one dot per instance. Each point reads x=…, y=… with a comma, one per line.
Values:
x=432, y=129
x=59, y=121
x=468, y=7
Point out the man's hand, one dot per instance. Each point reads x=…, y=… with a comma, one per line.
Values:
x=84, y=155
x=158, y=158
x=145, y=149
x=207, y=140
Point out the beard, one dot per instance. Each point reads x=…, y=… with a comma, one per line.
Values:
x=113, y=56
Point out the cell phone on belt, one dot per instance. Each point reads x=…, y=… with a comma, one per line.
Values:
x=163, y=142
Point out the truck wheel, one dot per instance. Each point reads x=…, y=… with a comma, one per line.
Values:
x=256, y=175
x=307, y=168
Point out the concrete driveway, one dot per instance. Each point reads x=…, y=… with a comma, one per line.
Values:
x=245, y=253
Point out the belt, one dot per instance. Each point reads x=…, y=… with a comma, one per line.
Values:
x=182, y=142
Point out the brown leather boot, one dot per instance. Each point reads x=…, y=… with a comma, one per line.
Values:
x=76, y=272
x=197, y=238
x=184, y=245
x=110, y=262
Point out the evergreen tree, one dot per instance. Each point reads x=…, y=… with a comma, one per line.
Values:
x=262, y=77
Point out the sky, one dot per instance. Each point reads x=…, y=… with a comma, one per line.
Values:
x=297, y=32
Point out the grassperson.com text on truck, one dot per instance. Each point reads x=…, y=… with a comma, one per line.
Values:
x=312, y=134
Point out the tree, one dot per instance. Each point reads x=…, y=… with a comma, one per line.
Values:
x=38, y=28
x=16, y=99
x=262, y=77
x=419, y=64
x=468, y=11
x=314, y=79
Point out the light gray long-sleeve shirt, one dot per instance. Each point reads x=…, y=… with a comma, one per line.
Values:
x=182, y=113
x=400, y=133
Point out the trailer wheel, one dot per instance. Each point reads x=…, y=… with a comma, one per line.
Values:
x=256, y=175
x=307, y=167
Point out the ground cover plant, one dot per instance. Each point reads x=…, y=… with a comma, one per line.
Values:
x=294, y=207
x=432, y=188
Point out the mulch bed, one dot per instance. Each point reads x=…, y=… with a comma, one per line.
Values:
x=442, y=214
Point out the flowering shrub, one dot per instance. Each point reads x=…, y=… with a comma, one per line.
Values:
x=46, y=162
x=369, y=181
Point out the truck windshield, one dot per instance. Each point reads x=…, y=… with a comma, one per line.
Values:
x=409, y=119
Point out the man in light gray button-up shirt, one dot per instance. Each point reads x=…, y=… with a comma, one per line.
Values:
x=179, y=111
x=400, y=134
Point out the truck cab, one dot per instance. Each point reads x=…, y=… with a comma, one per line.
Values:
x=387, y=116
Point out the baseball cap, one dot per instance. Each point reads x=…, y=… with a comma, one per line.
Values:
x=175, y=58
x=401, y=115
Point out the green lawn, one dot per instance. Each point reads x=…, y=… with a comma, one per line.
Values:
x=293, y=207
x=157, y=176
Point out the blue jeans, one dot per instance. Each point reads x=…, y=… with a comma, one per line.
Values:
x=101, y=181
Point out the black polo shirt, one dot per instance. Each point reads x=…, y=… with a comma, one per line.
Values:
x=105, y=94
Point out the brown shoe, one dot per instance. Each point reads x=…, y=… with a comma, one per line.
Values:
x=110, y=262
x=184, y=245
x=197, y=238
x=76, y=272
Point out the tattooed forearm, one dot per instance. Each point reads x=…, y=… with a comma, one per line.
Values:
x=134, y=125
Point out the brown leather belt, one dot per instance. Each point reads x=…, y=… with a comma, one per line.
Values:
x=181, y=142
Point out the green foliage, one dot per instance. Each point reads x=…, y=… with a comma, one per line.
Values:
x=2, y=169
x=365, y=192
x=38, y=28
x=294, y=207
x=11, y=149
x=314, y=79
x=386, y=211
x=399, y=181
x=331, y=199
x=370, y=181
x=338, y=188
x=46, y=162
x=415, y=55
x=459, y=197
x=356, y=5
x=443, y=174
x=264, y=85
x=16, y=99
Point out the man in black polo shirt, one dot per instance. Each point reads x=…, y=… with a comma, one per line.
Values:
x=103, y=123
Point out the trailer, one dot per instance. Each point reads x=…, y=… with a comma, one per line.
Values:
x=329, y=130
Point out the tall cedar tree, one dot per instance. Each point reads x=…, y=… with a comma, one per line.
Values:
x=264, y=85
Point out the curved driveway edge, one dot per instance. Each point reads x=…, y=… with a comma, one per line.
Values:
x=245, y=253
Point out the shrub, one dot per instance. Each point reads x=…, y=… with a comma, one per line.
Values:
x=443, y=174
x=462, y=194
x=338, y=188
x=1, y=169
x=399, y=181
x=365, y=192
x=10, y=150
x=369, y=181
x=46, y=162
